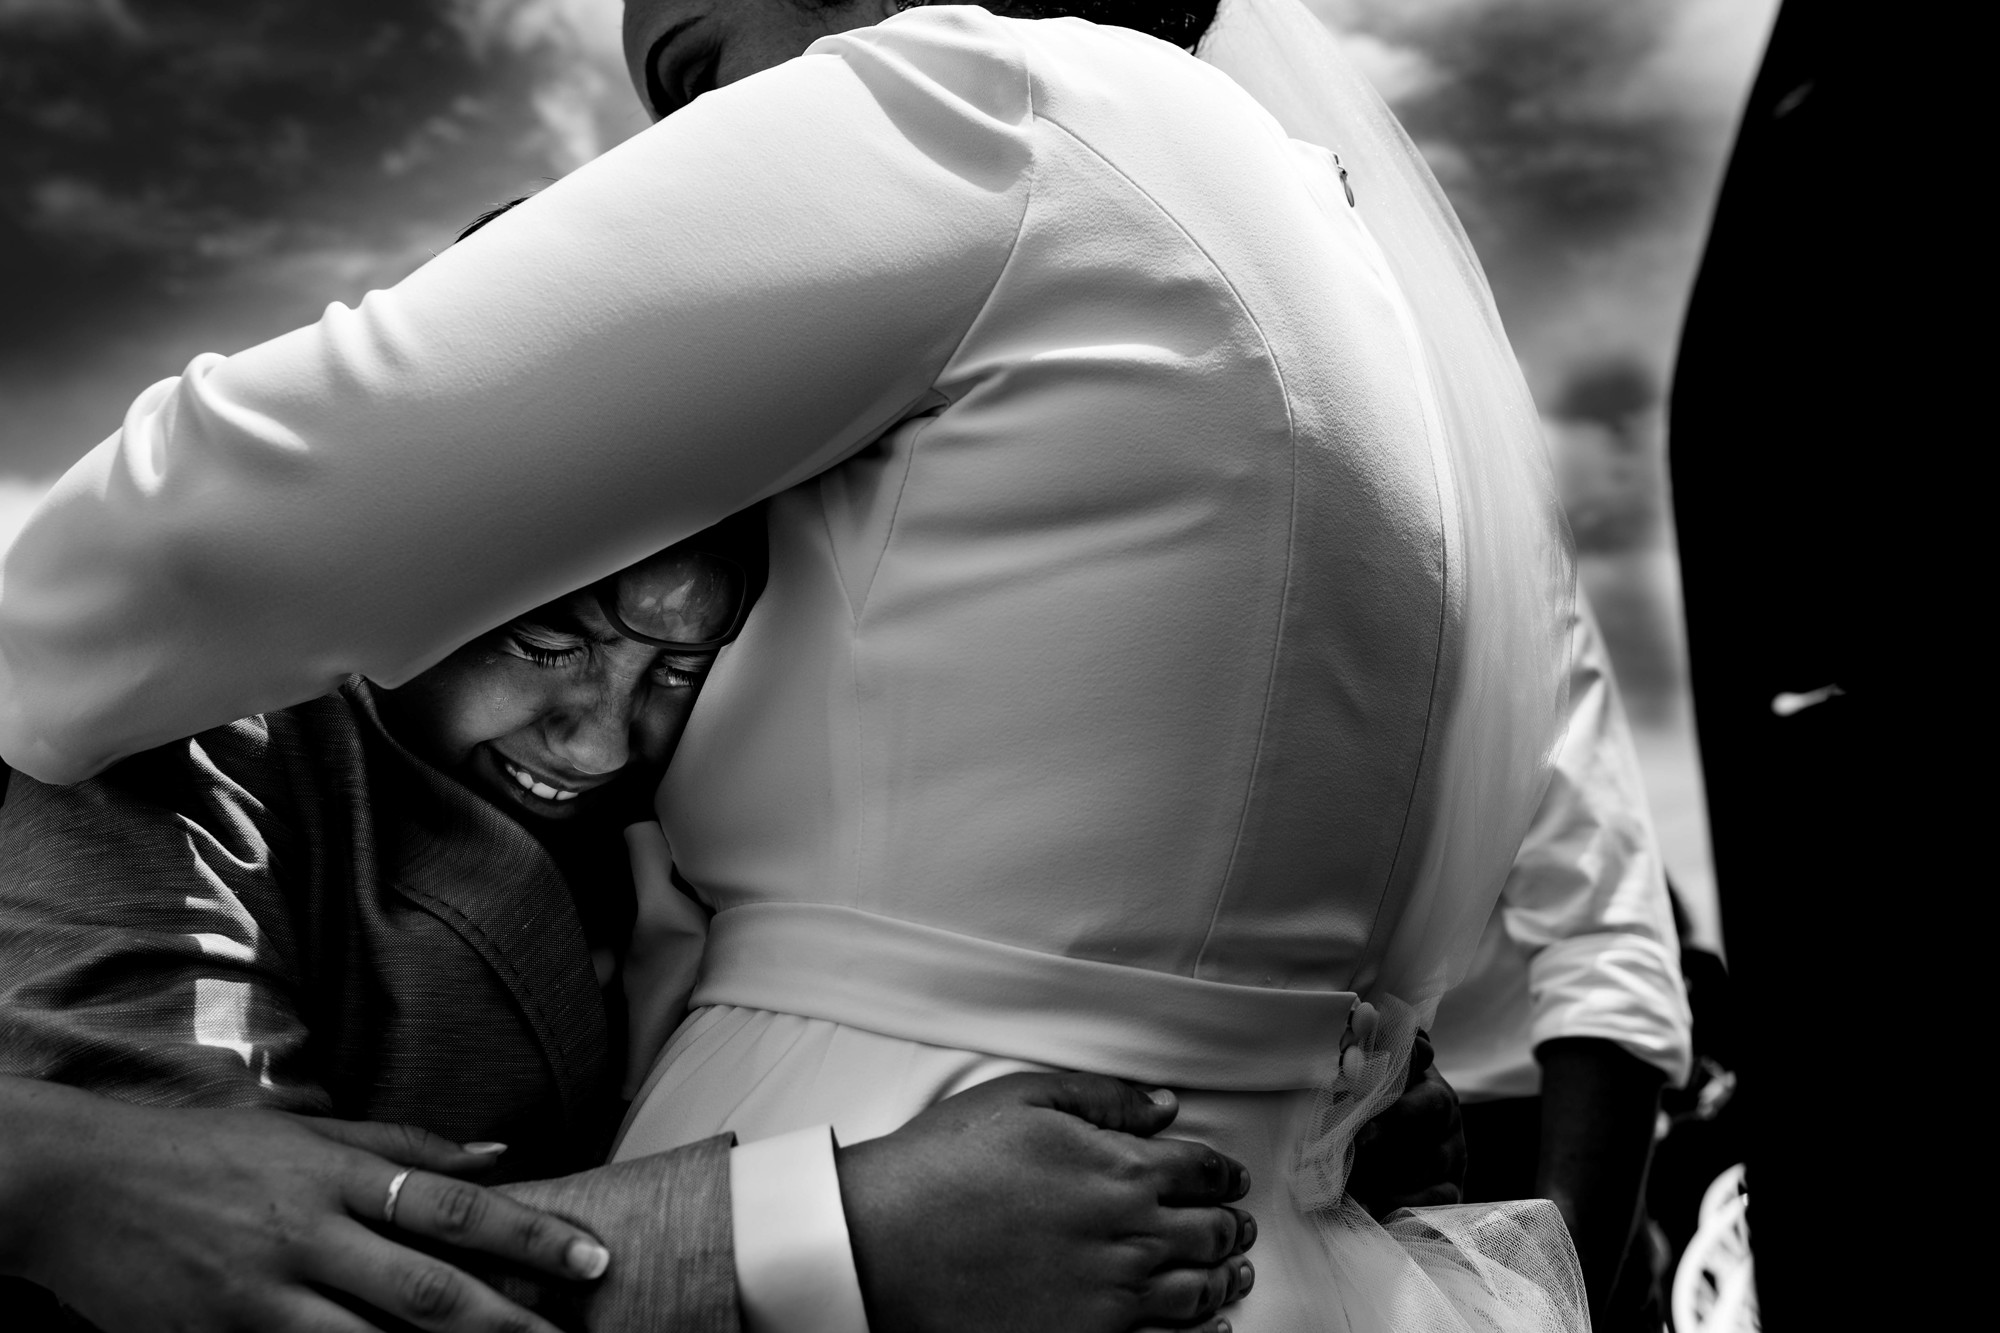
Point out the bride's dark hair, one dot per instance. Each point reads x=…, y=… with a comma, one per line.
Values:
x=1181, y=22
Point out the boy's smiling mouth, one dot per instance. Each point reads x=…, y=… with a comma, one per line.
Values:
x=536, y=784
x=529, y=782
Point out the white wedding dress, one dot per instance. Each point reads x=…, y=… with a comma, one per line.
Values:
x=1157, y=752
x=1164, y=642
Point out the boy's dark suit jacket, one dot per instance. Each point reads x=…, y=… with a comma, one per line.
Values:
x=293, y=912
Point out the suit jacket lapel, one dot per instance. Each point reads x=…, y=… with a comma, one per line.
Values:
x=455, y=856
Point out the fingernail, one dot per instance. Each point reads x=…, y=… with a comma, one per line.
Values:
x=1243, y=1181
x=1249, y=1233
x=1246, y=1276
x=485, y=1148
x=1222, y=1326
x=1160, y=1097
x=587, y=1258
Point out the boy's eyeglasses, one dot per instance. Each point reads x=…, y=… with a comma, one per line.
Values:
x=693, y=601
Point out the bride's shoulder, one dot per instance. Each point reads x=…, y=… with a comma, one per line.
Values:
x=1005, y=65
x=960, y=53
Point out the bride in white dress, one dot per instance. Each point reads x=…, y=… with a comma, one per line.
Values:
x=1171, y=806
x=1163, y=648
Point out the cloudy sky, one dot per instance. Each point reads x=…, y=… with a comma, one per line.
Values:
x=191, y=175
x=181, y=176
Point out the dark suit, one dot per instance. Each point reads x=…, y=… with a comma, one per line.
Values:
x=293, y=912
x=1809, y=428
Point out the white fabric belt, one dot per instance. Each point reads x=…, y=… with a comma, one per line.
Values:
x=919, y=983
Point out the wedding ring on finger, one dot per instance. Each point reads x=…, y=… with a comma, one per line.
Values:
x=395, y=1193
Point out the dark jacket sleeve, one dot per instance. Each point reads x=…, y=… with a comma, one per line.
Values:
x=146, y=950
x=149, y=951
x=667, y=1222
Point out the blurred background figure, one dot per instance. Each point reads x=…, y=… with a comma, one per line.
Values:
x=1573, y=1014
x=1800, y=369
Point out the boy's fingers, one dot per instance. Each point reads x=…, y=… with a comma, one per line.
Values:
x=1422, y=1055
x=414, y=1288
x=405, y=1145
x=472, y=1217
x=309, y=1312
x=1108, y=1103
x=1195, y=1174
x=1429, y=1102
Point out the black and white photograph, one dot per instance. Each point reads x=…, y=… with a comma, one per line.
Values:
x=874, y=666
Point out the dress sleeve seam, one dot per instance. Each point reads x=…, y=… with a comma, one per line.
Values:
x=1013, y=247
x=1285, y=587
x=937, y=395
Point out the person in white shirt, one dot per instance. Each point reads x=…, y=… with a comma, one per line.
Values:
x=1574, y=1012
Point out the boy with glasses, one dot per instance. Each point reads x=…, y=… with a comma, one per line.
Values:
x=414, y=907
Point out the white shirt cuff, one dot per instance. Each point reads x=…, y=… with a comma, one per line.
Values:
x=794, y=1265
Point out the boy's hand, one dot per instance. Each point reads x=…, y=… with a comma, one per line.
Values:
x=1412, y=1155
x=1041, y=1201
x=197, y=1220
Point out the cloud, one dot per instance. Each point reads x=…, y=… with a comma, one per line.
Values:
x=183, y=147
x=18, y=497
x=186, y=186
x=218, y=173
x=17, y=16
x=1398, y=72
x=586, y=28
x=580, y=97
x=1582, y=144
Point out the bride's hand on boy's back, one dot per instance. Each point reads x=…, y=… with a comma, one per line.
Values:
x=1009, y=1207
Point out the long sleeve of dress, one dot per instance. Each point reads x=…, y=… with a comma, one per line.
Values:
x=723, y=306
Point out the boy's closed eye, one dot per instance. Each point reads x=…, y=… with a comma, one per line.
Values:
x=542, y=646
x=681, y=672
x=548, y=646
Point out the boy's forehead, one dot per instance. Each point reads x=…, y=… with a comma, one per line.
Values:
x=576, y=614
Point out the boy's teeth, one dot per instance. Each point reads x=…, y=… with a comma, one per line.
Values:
x=541, y=789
